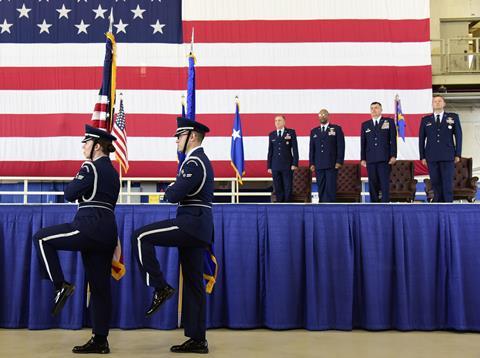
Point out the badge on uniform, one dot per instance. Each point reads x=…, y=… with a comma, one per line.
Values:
x=450, y=120
x=450, y=127
x=287, y=137
x=386, y=125
x=331, y=131
x=368, y=130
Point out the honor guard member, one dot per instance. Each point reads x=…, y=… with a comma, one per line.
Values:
x=440, y=145
x=191, y=231
x=282, y=158
x=93, y=232
x=378, y=151
x=327, y=152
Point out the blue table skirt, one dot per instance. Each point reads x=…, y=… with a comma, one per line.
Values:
x=317, y=267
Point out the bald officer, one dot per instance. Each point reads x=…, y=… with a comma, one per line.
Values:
x=327, y=152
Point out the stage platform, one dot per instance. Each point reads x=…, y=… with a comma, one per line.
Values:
x=318, y=267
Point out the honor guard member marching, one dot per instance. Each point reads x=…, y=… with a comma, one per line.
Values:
x=282, y=158
x=440, y=145
x=93, y=232
x=327, y=151
x=378, y=151
x=191, y=231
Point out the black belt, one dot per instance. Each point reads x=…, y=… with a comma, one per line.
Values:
x=96, y=204
x=195, y=202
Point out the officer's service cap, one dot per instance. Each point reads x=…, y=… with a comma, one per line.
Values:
x=96, y=133
x=185, y=125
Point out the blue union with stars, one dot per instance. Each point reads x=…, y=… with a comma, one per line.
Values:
x=86, y=21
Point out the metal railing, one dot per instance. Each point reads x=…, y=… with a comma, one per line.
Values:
x=225, y=187
x=455, y=55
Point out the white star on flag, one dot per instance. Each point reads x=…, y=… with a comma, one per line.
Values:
x=63, y=12
x=236, y=134
x=121, y=27
x=44, y=27
x=82, y=27
x=138, y=12
x=5, y=26
x=23, y=11
x=158, y=27
x=99, y=12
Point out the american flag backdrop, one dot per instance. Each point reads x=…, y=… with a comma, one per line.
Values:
x=278, y=56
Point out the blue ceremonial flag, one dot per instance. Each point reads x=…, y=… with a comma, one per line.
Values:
x=236, y=153
x=181, y=155
x=399, y=118
x=191, y=87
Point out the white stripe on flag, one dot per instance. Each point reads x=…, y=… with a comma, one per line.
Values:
x=219, y=101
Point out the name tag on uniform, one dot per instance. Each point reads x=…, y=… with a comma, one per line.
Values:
x=314, y=136
x=79, y=176
x=386, y=125
x=287, y=137
x=428, y=124
x=368, y=130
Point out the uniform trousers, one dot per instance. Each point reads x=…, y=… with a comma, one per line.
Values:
x=379, y=181
x=191, y=253
x=327, y=184
x=282, y=182
x=97, y=260
x=441, y=176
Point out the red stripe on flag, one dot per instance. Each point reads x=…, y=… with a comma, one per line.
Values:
x=338, y=30
x=222, y=169
x=209, y=78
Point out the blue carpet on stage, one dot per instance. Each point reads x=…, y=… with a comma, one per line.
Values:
x=411, y=266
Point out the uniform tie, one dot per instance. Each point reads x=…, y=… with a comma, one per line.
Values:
x=437, y=119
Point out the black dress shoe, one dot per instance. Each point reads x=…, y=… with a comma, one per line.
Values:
x=92, y=347
x=191, y=346
x=159, y=297
x=61, y=296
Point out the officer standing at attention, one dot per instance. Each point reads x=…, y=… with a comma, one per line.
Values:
x=440, y=145
x=93, y=232
x=327, y=151
x=378, y=151
x=282, y=158
x=191, y=231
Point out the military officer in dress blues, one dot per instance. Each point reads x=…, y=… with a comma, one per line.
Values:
x=378, y=152
x=282, y=158
x=191, y=231
x=93, y=232
x=440, y=145
x=327, y=151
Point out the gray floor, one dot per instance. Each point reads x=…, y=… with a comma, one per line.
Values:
x=250, y=343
